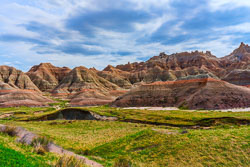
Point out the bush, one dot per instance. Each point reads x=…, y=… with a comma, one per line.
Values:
x=40, y=145
x=10, y=130
x=122, y=162
x=70, y=161
x=85, y=152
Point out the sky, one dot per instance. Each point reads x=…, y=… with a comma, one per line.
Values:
x=95, y=33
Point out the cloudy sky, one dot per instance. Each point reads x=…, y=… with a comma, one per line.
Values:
x=95, y=33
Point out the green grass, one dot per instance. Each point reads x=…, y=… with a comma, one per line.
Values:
x=177, y=117
x=59, y=102
x=105, y=142
x=25, y=112
x=13, y=154
x=226, y=144
x=81, y=135
x=217, y=147
x=172, y=118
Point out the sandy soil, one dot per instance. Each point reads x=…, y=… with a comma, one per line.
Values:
x=236, y=110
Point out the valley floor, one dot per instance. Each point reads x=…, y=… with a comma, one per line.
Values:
x=184, y=138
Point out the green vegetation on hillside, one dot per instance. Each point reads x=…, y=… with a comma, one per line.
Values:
x=148, y=148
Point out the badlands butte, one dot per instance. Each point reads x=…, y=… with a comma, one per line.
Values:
x=192, y=80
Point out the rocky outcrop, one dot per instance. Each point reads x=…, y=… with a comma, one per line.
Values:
x=189, y=65
x=238, y=59
x=46, y=76
x=16, y=89
x=193, y=94
x=238, y=77
x=173, y=67
x=16, y=78
x=81, y=78
x=85, y=87
x=12, y=97
x=116, y=76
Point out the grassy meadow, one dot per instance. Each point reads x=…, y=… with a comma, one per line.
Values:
x=219, y=138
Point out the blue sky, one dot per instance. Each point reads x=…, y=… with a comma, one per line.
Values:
x=95, y=33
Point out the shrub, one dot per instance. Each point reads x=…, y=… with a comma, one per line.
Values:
x=122, y=162
x=40, y=145
x=86, y=152
x=70, y=161
x=10, y=130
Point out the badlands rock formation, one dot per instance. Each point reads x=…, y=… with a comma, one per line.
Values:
x=173, y=67
x=14, y=97
x=116, y=76
x=81, y=78
x=46, y=76
x=16, y=78
x=93, y=87
x=85, y=87
x=193, y=94
x=16, y=89
x=237, y=65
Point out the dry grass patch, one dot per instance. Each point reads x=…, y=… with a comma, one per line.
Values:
x=41, y=145
x=10, y=130
x=70, y=161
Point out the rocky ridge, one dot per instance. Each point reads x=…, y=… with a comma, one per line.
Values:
x=85, y=86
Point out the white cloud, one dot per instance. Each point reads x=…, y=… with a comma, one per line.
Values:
x=154, y=24
x=147, y=4
x=227, y=4
x=239, y=28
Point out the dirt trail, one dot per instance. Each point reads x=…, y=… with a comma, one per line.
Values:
x=26, y=137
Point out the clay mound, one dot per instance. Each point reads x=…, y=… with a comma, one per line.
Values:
x=46, y=76
x=193, y=94
x=85, y=87
x=16, y=78
x=81, y=78
x=116, y=76
x=17, y=97
x=4, y=86
x=238, y=77
x=94, y=97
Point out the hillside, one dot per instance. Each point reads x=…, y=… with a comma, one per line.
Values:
x=192, y=94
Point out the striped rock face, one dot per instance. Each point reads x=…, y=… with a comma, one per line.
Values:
x=46, y=76
x=16, y=78
x=192, y=94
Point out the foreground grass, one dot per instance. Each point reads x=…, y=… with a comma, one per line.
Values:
x=18, y=155
x=217, y=147
x=81, y=135
x=107, y=142
x=225, y=144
